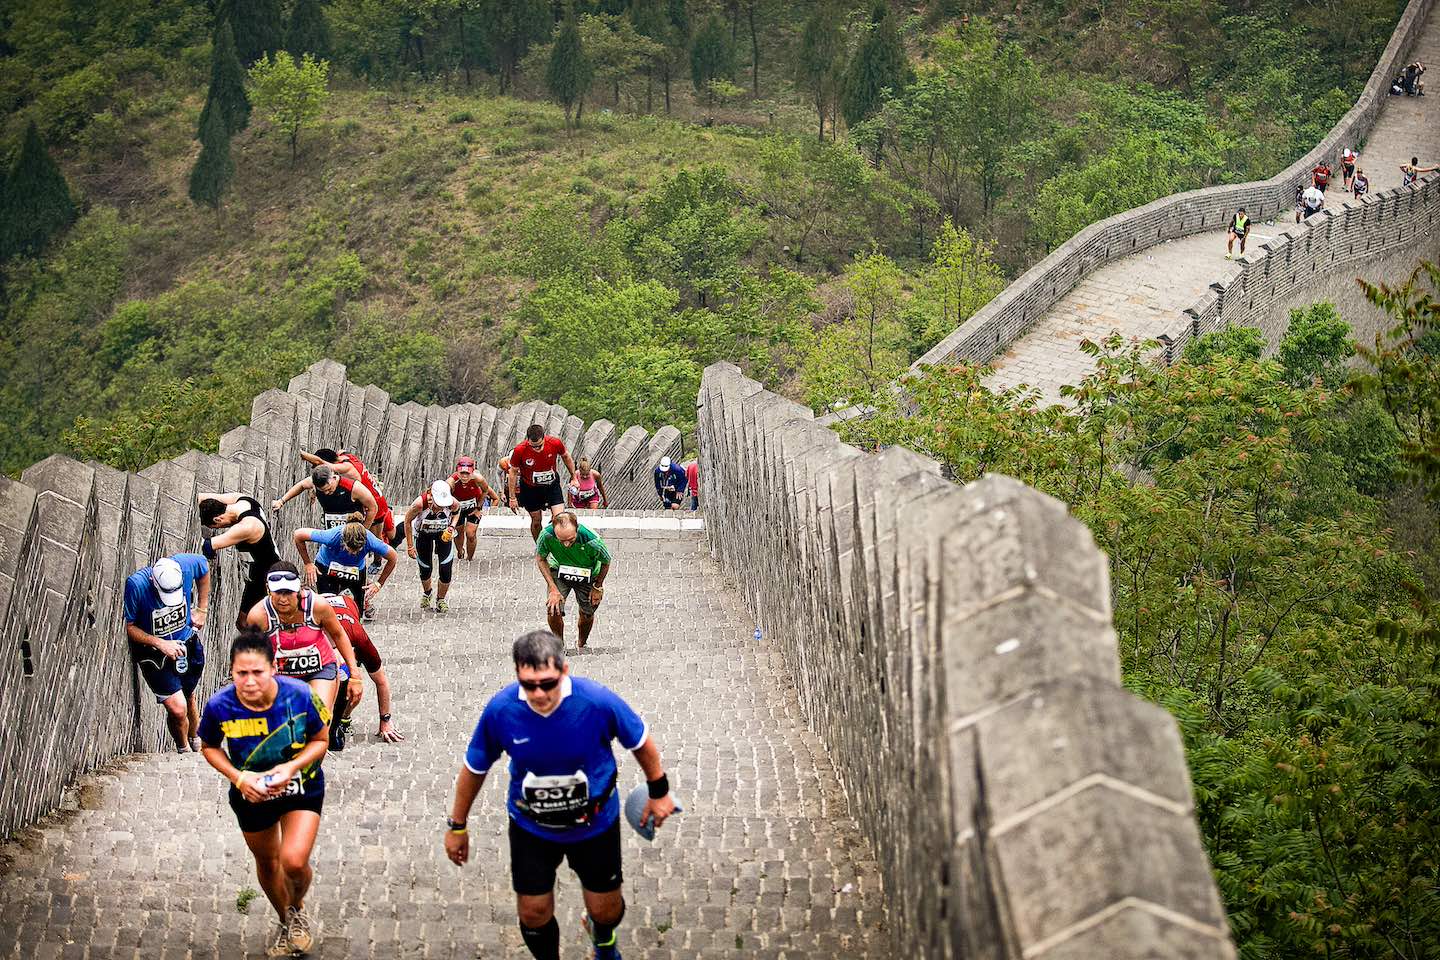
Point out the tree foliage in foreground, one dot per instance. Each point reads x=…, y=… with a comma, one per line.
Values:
x=1258, y=596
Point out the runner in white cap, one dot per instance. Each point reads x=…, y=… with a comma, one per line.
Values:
x=430, y=527
x=165, y=610
x=670, y=483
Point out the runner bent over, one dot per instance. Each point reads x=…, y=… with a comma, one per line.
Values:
x=432, y=518
x=164, y=632
x=562, y=803
x=304, y=634
x=349, y=616
x=347, y=465
x=245, y=528
x=534, y=481
x=340, y=563
x=470, y=490
x=670, y=484
x=275, y=729
x=339, y=497
x=587, y=487
x=572, y=558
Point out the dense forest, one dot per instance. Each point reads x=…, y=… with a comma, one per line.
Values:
x=589, y=202
x=427, y=200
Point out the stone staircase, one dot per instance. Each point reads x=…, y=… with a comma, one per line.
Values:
x=144, y=859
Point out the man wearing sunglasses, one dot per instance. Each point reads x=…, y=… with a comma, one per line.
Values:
x=563, y=805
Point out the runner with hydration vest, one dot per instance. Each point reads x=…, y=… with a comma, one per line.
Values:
x=431, y=523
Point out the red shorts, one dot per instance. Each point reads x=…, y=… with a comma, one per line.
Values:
x=384, y=516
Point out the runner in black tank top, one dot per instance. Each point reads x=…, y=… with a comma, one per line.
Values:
x=242, y=525
x=338, y=496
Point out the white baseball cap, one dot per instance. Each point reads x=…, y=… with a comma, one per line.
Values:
x=440, y=493
x=664, y=463
x=169, y=581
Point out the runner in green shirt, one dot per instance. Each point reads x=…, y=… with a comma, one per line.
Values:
x=572, y=558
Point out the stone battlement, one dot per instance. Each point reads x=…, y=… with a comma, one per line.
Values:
x=954, y=648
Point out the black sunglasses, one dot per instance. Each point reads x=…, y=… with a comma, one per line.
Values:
x=546, y=685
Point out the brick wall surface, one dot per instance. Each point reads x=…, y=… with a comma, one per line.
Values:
x=953, y=646
x=1024, y=301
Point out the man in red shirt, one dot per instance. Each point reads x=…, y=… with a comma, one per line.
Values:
x=692, y=477
x=1321, y=176
x=369, y=658
x=534, y=482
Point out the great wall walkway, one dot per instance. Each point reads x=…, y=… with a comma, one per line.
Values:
x=1141, y=295
x=765, y=862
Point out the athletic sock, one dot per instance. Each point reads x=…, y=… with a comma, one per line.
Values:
x=543, y=942
x=603, y=934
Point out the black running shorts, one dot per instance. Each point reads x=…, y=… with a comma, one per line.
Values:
x=533, y=861
x=258, y=817
x=535, y=499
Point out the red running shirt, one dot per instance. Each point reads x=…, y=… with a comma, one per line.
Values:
x=349, y=616
x=537, y=467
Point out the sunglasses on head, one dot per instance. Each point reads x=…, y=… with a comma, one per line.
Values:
x=546, y=685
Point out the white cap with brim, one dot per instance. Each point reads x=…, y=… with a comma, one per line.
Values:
x=440, y=493
x=169, y=581
x=635, y=809
x=283, y=581
x=664, y=463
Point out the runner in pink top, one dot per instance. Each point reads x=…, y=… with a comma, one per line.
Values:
x=587, y=487
x=305, y=634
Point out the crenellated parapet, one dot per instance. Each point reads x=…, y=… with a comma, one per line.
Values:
x=953, y=647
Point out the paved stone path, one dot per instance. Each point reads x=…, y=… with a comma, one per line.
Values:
x=1143, y=295
x=765, y=862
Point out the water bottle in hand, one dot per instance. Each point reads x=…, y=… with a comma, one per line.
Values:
x=182, y=662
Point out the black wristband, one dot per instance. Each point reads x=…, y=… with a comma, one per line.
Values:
x=659, y=787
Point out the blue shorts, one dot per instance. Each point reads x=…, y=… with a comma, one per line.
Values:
x=159, y=670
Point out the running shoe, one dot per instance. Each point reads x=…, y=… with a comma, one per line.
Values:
x=606, y=951
x=337, y=735
x=441, y=606
x=195, y=744
x=425, y=602
x=279, y=945
x=301, y=936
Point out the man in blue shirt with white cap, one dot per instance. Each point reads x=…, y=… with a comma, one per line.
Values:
x=670, y=483
x=166, y=605
x=563, y=805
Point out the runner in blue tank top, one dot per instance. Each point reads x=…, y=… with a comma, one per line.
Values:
x=563, y=805
x=275, y=732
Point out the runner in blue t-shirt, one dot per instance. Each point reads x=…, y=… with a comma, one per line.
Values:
x=340, y=564
x=275, y=732
x=165, y=609
x=557, y=730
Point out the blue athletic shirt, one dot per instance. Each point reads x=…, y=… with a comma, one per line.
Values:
x=144, y=609
x=559, y=764
x=331, y=550
x=258, y=740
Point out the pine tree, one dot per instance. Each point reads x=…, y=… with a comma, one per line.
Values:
x=879, y=63
x=227, y=84
x=820, y=65
x=650, y=21
x=678, y=14
x=308, y=32
x=569, y=72
x=213, y=169
x=35, y=203
x=712, y=57
x=257, y=26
